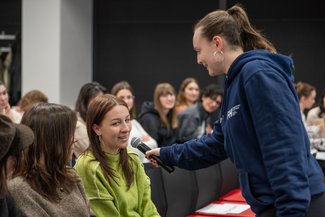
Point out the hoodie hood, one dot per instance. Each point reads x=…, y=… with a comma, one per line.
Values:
x=281, y=63
x=147, y=107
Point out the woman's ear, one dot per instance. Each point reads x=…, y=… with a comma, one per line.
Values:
x=97, y=129
x=218, y=41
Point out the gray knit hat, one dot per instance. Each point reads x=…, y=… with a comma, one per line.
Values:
x=13, y=137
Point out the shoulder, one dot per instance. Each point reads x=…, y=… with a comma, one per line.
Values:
x=181, y=108
x=18, y=186
x=134, y=156
x=86, y=160
x=17, y=182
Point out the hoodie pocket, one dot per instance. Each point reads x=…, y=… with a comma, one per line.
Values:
x=247, y=193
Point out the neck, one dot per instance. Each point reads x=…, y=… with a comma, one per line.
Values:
x=232, y=54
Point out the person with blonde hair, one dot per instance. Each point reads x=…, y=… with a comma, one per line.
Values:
x=188, y=94
x=159, y=117
x=259, y=126
x=30, y=98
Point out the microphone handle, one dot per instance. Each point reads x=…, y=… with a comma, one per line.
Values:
x=143, y=148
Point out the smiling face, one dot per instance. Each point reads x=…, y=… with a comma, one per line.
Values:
x=167, y=101
x=191, y=92
x=206, y=53
x=114, y=129
x=127, y=96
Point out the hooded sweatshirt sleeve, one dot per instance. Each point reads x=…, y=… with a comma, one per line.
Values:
x=196, y=153
x=280, y=132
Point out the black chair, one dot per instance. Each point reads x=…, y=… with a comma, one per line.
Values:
x=209, y=182
x=157, y=188
x=229, y=174
x=181, y=192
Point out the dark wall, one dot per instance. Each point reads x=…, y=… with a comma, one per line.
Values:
x=10, y=24
x=146, y=42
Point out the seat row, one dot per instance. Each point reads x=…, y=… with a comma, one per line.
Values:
x=183, y=192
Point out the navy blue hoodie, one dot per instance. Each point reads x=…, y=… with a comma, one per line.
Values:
x=260, y=129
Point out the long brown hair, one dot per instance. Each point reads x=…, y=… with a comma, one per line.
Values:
x=97, y=110
x=235, y=26
x=169, y=120
x=44, y=163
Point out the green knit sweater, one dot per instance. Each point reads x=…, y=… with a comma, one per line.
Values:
x=112, y=199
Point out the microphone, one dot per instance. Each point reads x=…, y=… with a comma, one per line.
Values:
x=136, y=143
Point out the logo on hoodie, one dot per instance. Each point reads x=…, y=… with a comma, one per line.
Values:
x=233, y=111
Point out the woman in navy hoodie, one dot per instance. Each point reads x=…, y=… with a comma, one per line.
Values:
x=259, y=127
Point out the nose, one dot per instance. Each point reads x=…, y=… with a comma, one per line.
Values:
x=126, y=127
x=198, y=60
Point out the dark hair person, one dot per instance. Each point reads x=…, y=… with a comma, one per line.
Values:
x=44, y=185
x=259, y=126
x=87, y=92
x=114, y=177
x=14, y=138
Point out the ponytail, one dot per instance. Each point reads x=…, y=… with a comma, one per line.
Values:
x=235, y=27
x=251, y=38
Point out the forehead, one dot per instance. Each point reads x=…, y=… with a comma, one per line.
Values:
x=124, y=92
x=192, y=84
x=2, y=88
x=197, y=37
x=118, y=111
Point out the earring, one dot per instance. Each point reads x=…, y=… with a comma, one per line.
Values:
x=219, y=56
x=100, y=139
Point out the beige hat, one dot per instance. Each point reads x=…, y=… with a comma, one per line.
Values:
x=13, y=137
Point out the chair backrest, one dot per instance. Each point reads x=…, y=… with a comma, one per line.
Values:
x=181, y=192
x=209, y=182
x=157, y=188
x=230, y=180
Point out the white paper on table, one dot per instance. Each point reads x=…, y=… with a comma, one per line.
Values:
x=320, y=155
x=224, y=208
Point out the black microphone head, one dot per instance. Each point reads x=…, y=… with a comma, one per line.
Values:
x=135, y=142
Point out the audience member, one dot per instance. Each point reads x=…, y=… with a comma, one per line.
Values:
x=188, y=94
x=14, y=138
x=30, y=98
x=5, y=108
x=318, y=112
x=43, y=184
x=114, y=177
x=87, y=92
x=124, y=91
x=306, y=95
x=259, y=126
x=193, y=122
x=159, y=118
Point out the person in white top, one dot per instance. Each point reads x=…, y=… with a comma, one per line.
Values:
x=124, y=91
x=317, y=112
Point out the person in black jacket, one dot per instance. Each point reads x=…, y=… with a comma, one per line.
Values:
x=194, y=121
x=159, y=118
x=13, y=139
